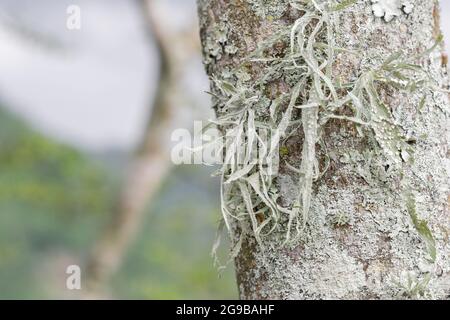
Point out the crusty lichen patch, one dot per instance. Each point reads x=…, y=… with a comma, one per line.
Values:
x=388, y=9
x=269, y=9
x=249, y=189
x=358, y=226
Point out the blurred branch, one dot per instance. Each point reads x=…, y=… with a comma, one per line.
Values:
x=22, y=31
x=150, y=164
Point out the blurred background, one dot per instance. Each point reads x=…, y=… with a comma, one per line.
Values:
x=85, y=171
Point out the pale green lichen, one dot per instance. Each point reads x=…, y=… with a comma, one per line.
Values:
x=383, y=241
x=269, y=9
x=341, y=219
x=366, y=259
x=388, y=9
x=421, y=226
x=217, y=44
x=412, y=286
x=308, y=68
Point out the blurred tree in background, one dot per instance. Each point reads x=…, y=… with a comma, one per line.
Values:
x=56, y=200
x=53, y=201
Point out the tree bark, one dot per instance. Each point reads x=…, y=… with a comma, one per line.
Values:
x=361, y=239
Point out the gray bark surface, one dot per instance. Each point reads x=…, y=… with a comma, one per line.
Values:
x=360, y=240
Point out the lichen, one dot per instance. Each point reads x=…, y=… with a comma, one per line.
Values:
x=217, y=44
x=421, y=227
x=412, y=286
x=270, y=9
x=375, y=123
x=388, y=9
x=307, y=66
x=341, y=219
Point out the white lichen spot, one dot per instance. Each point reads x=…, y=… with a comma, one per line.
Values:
x=407, y=7
x=388, y=9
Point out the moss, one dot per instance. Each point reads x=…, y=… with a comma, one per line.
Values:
x=284, y=151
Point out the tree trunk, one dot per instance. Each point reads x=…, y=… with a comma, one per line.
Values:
x=366, y=128
x=151, y=162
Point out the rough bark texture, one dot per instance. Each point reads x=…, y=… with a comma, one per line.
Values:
x=360, y=242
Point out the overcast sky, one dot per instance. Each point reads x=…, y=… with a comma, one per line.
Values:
x=91, y=88
x=93, y=91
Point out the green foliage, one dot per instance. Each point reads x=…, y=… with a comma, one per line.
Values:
x=53, y=203
x=45, y=174
x=170, y=259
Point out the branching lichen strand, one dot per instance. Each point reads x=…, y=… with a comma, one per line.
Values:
x=308, y=66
